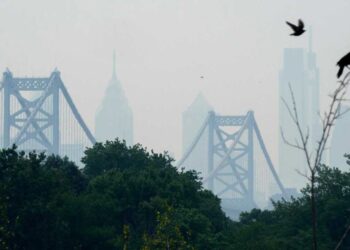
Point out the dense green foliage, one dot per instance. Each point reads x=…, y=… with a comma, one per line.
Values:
x=121, y=198
x=288, y=226
x=129, y=198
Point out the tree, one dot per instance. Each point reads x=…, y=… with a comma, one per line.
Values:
x=167, y=234
x=314, y=157
x=130, y=186
x=33, y=190
x=4, y=223
x=287, y=226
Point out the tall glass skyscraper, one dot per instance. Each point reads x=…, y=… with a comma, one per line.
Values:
x=114, y=118
x=192, y=120
x=340, y=141
x=302, y=74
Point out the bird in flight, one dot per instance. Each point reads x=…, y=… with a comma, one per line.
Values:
x=298, y=30
x=342, y=63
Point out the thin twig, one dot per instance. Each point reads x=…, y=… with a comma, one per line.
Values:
x=313, y=161
x=342, y=238
x=302, y=174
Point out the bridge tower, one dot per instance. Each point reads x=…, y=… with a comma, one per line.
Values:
x=233, y=168
x=32, y=115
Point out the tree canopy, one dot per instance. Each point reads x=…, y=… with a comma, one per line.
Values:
x=288, y=225
x=130, y=198
x=121, y=198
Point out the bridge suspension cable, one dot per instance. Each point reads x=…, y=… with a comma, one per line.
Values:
x=232, y=171
x=39, y=114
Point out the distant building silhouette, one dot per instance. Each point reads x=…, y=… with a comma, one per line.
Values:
x=340, y=141
x=192, y=120
x=114, y=117
x=301, y=72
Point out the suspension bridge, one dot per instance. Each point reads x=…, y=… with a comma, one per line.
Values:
x=239, y=169
x=39, y=114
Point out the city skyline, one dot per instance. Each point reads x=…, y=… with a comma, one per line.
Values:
x=218, y=42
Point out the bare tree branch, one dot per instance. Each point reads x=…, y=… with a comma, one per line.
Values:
x=314, y=160
x=285, y=140
x=302, y=174
x=293, y=112
x=342, y=238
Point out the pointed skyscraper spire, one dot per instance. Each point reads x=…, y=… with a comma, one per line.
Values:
x=114, y=74
x=114, y=79
x=114, y=117
x=310, y=39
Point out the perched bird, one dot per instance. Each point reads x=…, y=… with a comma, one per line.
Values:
x=342, y=63
x=298, y=30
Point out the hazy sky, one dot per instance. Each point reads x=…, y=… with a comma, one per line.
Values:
x=164, y=46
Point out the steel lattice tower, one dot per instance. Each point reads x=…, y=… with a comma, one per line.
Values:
x=231, y=160
x=31, y=122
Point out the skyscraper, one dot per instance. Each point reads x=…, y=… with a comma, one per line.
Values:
x=340, y=141
x=114, y=117
x=301, y=73
x=192, y=120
